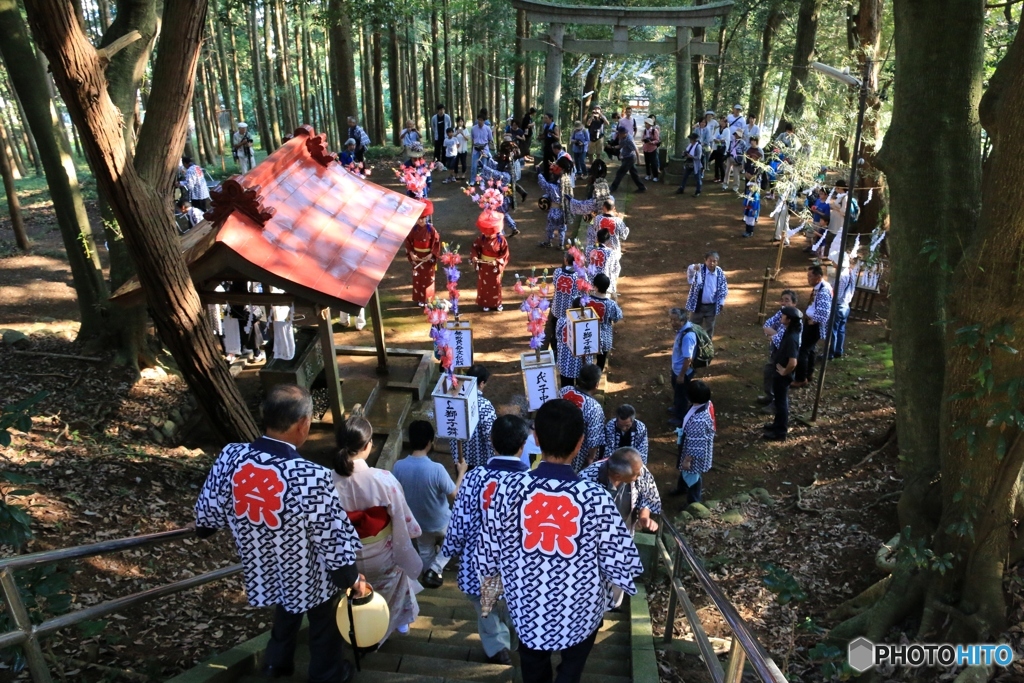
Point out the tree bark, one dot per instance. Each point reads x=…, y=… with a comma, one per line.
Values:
x=144, y=214
x=343, y=85
x=30, y=136
x=236, y=78
x=395, y=81
x=519, y=94
x=13, y=206
x=11, y=151
x=259, y=93
x=697, y=75
x=268, y=61
x=435, y=64
x=378, y=89
x=31, y=82
x=869, y=35
x=806, y=34
x=449, y=86
x=222, y=67
x=771, y=26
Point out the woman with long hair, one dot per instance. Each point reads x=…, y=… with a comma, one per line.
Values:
x=377, y=509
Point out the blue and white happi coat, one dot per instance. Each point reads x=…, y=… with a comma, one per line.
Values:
x=477, y=449
x=600, y=259
x=287, y=521
x=559, y=545
x=775, y=323
x=617, y=236
x=637, y=438
x=610, y=313
x=721, y=290
x=562, y=207
x=698, y=439
x=643, y=493
x=464, y=532
x=568, y=364
x=593, y=416
x=564, y=282
x=820, y=307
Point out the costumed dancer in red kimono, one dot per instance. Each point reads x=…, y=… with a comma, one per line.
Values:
x=422, y=248
x=490, y=256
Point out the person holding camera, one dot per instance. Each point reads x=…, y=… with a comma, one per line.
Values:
x=595, y=123
x=241, y=148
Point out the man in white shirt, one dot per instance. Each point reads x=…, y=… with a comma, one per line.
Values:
x=837, y=214
x=735, y=119
x=481, y=137
x=241, y=148
x=751, y=130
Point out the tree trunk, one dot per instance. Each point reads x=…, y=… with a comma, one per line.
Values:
x=136, y=194
x=395, y=81
x=590, y=83
x=13, y=206
x=222, y=67
x=289, y=116
x=236, y=78
x=435, y=63
x=343, y=68
x=806, y=33
x=378, y=89
x=30, y=136
x=10, y=151
x=366, y=79
x=697, y=75
x=519, y=95
x=269, y=86
x=412, y=78
x=771, y=27
x=259, y=94
x=869, y=36
x=31, y=81
x=449, y=86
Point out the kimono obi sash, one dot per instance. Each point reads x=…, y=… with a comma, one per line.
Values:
x=371, y=522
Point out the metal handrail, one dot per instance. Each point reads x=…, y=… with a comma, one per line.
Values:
x=27, y=634
x=749, y=647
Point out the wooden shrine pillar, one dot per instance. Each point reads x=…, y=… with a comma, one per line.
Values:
x=683, y=87
x=378, y=332
x=326, y=332
x=553, y=70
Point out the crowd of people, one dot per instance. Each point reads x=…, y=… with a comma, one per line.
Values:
x=559, y=495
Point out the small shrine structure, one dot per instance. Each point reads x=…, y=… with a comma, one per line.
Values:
x=300, y=222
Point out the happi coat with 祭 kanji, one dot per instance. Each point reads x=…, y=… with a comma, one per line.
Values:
x=474, y=498
x=568, y=363
x=423, y=248
x=616, y=236
x=287, y=520
x=636, y=438
x=643, y=493
x=593, y=416
x=564, y=284
x=477, y=449
x=609, y=313
x=599, y=260
x=559, y=545
x=491, y=254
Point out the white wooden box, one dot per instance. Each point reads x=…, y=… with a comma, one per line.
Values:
x=461, y=333
x=540, y=377
x=456, y=412
x=583, y=331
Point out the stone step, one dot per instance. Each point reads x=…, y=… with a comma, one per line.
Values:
x=430, y=623
x=472, y=638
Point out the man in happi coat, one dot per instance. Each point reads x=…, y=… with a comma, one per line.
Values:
x=563, y=281
x=560, y=202
x=423, y=248
x=490, y=256
x=477, y=448
x=558, y=545
x=618, y=233
x=625, y=430
x=593, y=414
x=297, y=545
x=463, y=537
x=815, y=324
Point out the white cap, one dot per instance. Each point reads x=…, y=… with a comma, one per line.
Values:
x=243, y=124
x=737, y=106
x=709, y=113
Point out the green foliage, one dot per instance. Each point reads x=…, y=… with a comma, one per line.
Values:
x=832, y=662
x=782, y=584
x=19, y=416
x=918, y=554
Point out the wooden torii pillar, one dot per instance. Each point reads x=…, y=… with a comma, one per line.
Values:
x=555, y=43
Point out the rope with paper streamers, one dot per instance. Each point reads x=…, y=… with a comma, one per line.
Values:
x=438, y=310
x=536, y=305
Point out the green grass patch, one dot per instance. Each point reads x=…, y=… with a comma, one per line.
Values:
x=865, y=367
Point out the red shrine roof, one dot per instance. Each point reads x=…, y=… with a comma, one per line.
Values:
x=301, y=222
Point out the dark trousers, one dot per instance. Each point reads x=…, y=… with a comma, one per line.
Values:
x=652, y=164
x=201, y=204
x=460, y=160
x=628, y=166
x=680, y=403
x=536, y=664
x=769, y=379
x=695, y=493
x=439, y=149
x=601, y=359
x=325, y=656
x=805, y=362
x=780, y=388
x=549, y=335
x=718, y=156
x=689, y=171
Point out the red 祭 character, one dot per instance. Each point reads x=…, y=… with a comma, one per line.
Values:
x=259, y=494
x=597, y=258
x=423, y=248
x=597, y=307
x=552, y=523
x=488, y=494
x=564, y=284
x=575, y=397
x=490, y=256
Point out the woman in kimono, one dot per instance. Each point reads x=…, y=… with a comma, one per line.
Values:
x=423, y=248
x=377, y=509
x=490, y=256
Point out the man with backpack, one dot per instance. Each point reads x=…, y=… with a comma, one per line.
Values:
x=690, y=350
x=708, y=290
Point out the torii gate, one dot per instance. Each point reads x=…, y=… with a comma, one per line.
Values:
x=555, y=43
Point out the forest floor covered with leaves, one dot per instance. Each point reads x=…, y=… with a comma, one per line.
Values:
x=101, y=461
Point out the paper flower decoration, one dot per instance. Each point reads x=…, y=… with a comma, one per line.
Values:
x=535, y=305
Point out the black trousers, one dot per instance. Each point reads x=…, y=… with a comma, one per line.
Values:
x=628, y=166
x=201, y=204
x=549, y=334
x=805, y=361
x=536, y=664
x=680, y=403
x=780, y=388
x=325, y=656
x=439, y=149
x=718, y=156
x=695, y=493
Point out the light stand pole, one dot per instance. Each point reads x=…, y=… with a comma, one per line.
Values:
x=854, y=163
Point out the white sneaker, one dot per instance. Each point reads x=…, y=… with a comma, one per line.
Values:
x=403, y=629
x=654, y=180
x=500, y=308
x=647, y=177
x=486, y=309
x=725, y=188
